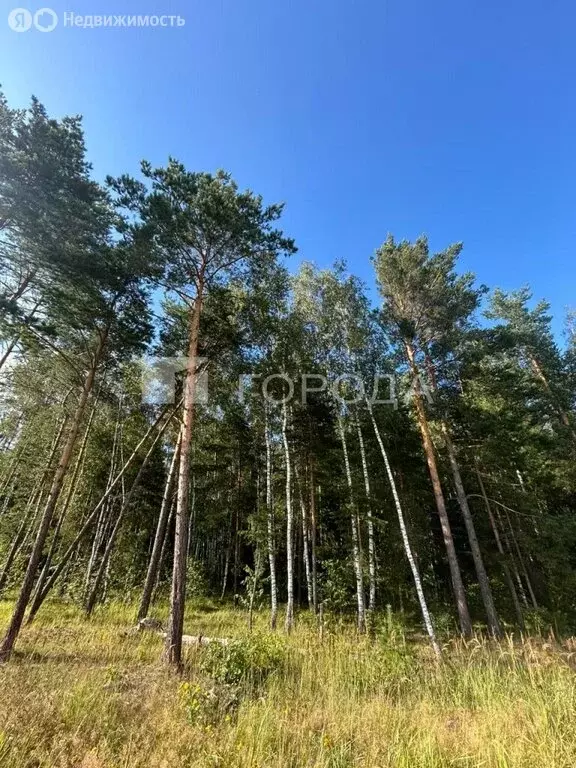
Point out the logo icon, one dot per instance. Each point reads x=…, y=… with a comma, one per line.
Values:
x=45, y=20
x=162, y=379
x=20, y=20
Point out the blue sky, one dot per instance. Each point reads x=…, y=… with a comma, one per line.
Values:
x=456, y=119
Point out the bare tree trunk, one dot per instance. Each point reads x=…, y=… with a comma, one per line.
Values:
x=90, y=520
x=313, y=525
x=28, y=583
x=505, y=568
x=271, y=537
x=484, y=583
x=10, y=348
x=257, y=575
x=35, y=499
x=456, y=576
x=160, y=536
x=164, y=545
x=30, y=513
x=69, y=496
x=541, y=376
x=521, y=561
x=227, y=561
x=405, y=540
x=106, y=511
x=93, y=596
x=173, y=648
x=305, y=539
x=356, y=554
x=289, y=621
x=370, y=522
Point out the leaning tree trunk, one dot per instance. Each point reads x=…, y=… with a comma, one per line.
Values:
x=28, y=518
x=164, y=547
x=484, y=583
x=67, y=501
x=88, y=522
x=12, y=344
x=356, y=554
x=102, y=522
x=505, y=568
x=521, y=561
x=289, y=621
x=104, y=563
x=541, y=376
x=456, y=576
x=32, y=508
x=405, y=540
x=271, y=537
x=173, y=648
x=153, y=565
x=55, y=491
x=369, y=521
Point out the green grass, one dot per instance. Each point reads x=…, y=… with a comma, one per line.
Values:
x=84, y=694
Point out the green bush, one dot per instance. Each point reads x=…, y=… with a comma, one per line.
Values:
x=244, y=660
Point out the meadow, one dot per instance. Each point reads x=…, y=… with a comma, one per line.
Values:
x=95, y=694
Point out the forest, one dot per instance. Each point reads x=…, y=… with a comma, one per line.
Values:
x=248, y=492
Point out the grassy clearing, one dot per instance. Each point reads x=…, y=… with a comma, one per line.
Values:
x=85, y=694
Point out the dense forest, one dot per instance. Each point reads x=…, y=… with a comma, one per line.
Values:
x=329, y=450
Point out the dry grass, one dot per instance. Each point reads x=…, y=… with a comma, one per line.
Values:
x=85, y=694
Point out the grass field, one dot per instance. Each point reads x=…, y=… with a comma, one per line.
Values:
x=91, y=695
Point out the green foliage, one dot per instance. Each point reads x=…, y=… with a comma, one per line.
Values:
x=244, y=661
x=196, y=579
x=336, y=585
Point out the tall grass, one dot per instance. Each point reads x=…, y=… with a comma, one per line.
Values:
x=90, y=695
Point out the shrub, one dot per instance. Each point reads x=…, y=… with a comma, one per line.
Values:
x=243, y=660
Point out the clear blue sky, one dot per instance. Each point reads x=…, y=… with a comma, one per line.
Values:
x=454, y=118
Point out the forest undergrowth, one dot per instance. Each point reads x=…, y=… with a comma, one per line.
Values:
x=95, y=694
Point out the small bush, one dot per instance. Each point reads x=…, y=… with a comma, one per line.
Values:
x=244, y=661
x=207, y=705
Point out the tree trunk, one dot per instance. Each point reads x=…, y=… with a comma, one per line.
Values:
x=505, y=568
x=305, y=539
x=27, y=524
x=520, y=557
x=369, y=521
x=289, y=621
x=160, y=536
x=164, y=546
x=313, y=526
x=102, y=570
x=405, y=540
x=356, y=554
x=253, y=587
x=90, y=520
x=34, y=500
x=484, y=583
x=456, y=576
x=173, y=648
x=69, y=496
x=271, y=537
x=541, y=376
x=10, y=348
x=36, y=555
